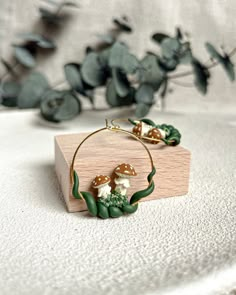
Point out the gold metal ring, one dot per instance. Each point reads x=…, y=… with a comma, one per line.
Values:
x=114, y=128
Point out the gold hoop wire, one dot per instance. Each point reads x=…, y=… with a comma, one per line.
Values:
x=114, y=128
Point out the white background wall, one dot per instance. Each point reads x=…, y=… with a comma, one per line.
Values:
x=206, y=20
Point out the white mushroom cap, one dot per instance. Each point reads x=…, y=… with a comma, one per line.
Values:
x=125, y=170
x=100, y=180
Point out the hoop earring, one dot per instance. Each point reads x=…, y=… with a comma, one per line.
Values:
x=112, y=203
x=151, y=132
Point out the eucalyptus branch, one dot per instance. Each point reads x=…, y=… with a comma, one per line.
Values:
x=190, y=72
x=183, y=84
x=110, y=64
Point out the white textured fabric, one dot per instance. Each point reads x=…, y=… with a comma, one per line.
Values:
x=183, y=245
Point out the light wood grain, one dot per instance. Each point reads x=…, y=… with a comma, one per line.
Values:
x=103, y=152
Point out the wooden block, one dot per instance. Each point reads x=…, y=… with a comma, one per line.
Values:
x=101, y=153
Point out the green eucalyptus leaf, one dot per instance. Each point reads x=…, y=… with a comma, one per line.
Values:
x=69, y=108
x=121, y=82
x=202, y=76
x=121, y=58
x=32, y=91
x=153, y=74
x=29, y=37
x=142, y=110
x=224, y=60
x=123, y=24
x=70, y=3
x=118, y=51
x=213, y=52
x=159, y=37
x=58, y=106
x=24, y=57
x=112, y=97
x=9, y=93
x=46, y=43
x=106, y=38
x=170, y=47
x=50, y=104
x=228, y=67
x=103, y=57
x=9, y=102
x=144, y=94
x=130, y=63
x=114, y=100
x=38, y=39
x=179, y=34
x=186, y=57
x=92, y=71
x=50, y=17
x=73, y=76
x=169, y=64
x=88, y=49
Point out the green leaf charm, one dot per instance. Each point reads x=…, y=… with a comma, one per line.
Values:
x=144, y=193
x=115, y=212
x=102, y=211
x=75, y=188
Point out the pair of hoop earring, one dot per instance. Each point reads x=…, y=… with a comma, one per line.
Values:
x=115, y=202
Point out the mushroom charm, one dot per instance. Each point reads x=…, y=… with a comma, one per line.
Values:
x=155, y=134
x=124, y=171
x=101, y=182
x=146, y=129
x=141, y=129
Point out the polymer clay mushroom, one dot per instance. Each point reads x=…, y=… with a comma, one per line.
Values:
x=125, y=172
x=101, y=182
x=141, y=129
x=154, y=133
